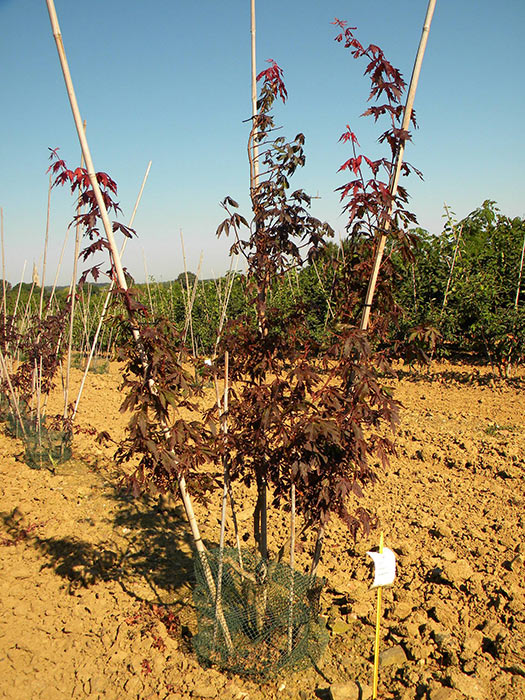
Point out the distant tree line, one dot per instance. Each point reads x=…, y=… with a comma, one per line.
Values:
x=460, y=296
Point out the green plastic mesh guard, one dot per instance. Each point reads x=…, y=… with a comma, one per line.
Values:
x=268, y=611
x=44, y=447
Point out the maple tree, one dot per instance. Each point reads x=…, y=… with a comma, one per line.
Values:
x=303, y=414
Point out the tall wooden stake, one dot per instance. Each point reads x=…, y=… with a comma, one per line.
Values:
x=4, y=300
x=225, y=475
x=292, y=567
x=43, y=281
x=147, y=283
x=520, y=273
x=119, y=273
x=19, y=290
x=108, y=297
x=394, y=180
x=72, y=297
x=254, y=170
x=53, y=289
x=223, y=303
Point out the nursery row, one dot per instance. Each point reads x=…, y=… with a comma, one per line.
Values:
x=459, y=295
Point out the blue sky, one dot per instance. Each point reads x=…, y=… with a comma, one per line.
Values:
x=169, y=81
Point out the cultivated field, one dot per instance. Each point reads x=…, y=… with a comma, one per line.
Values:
x=96, y=586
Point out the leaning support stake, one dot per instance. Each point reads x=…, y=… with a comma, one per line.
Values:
x=394, y=180
x=106, y=301
x=119, y=272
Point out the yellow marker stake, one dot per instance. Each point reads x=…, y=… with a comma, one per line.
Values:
x=378, y=624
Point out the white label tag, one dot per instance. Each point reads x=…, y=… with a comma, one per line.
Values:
x=385, y=567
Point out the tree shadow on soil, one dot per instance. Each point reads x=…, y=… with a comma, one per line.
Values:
x=151, y=550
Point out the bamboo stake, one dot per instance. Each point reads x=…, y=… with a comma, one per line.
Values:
x=407, y=115
x=83, y=142
x=27, y=309
x=88, y=316
x=192, y=302
x=38, y=405
x=188, y=322
x=97, y=312
x=17, y=300
x=84, y=317
x=108, y=296
x=147, y=283
x=254, y=165
x=33, y=391
x=518, y=288
x=292, y=566
x=4, y=299
x=453, y=264
x=189, y=299
x=230, y=489
x=236, y=528
x=119, y=273
x=72, y=296
x=224, y=309
x=58, y=270
x=3, y=367
x=45, y=249
x=225, y=473
x=185, y=263
x=137, y=202
x=170, y=306
x=205, y=302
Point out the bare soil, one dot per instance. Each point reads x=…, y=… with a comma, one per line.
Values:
x=96, y=587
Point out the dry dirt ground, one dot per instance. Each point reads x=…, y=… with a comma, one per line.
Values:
x=95, y=587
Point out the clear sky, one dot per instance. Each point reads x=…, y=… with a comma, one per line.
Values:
x=169, y=81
